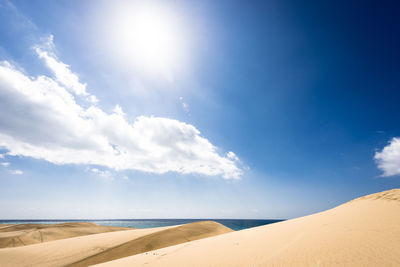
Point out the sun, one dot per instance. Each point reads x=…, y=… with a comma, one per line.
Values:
x=148, y=35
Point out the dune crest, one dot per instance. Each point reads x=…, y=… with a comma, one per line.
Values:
x=390, y=195
x=161, y=239
x=363, y=232
x=27, y=234
x=97, y=248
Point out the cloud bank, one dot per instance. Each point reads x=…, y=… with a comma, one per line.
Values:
x=40, y=117
x=389, y=158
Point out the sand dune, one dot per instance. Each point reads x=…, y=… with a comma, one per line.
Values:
x=96, y=248
x=3, y=225
x=27, y=234
x=363, y=232
x=160, y=239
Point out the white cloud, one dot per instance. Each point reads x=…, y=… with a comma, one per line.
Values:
x=389, y=158
x=232, y=156
x=118, y=110
x=40, y=118
x=92, y=99
x=103, y=174
x=5, y=164
x=61, y=71
x=16, y=172
x=1, y=156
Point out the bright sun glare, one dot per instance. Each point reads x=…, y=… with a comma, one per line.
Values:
x=148, y=35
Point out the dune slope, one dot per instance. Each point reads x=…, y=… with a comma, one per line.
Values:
x=161, y=239
x=90, y=249
x=363, y=232
x=27, y=234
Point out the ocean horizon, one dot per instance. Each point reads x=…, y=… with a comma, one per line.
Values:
x=234, y=224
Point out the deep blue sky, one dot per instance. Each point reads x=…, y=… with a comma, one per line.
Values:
x=303, y=93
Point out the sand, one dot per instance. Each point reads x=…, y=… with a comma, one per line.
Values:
x=97, y=248
x=362, y=232
x=27, y=234
x=160, y=239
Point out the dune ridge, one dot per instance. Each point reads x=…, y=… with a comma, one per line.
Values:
x=362, y=232
x=161, y=239
x=96, y=248
x=390, y=195
x=27, y=234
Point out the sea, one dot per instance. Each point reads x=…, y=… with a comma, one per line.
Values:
x=234, y=224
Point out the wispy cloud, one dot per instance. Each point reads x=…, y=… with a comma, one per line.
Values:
x=388, y=159
x=16, y=172
x=62, y=72
x=5, y=164
x=105, y=174
x=21, y=20
x=185, y=105
x=40, y=118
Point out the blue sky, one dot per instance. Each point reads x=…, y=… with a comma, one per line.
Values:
x=196, y=109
